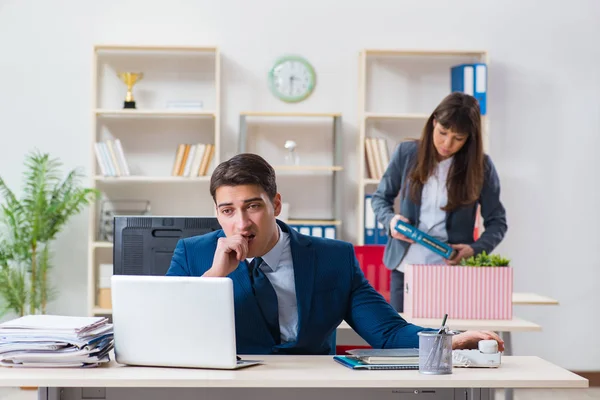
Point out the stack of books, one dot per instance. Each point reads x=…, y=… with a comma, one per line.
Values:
x=55, y=341
x=377, y=157
x=380, y=359
x=111, y=158
x=193, y=160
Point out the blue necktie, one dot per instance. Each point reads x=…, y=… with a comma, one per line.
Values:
x=266, y=297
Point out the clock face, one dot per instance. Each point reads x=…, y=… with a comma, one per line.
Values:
x=292, y=79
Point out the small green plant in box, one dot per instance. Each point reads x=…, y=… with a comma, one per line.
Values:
x=485, y=260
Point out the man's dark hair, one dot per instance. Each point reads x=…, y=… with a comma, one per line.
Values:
x=244, y=169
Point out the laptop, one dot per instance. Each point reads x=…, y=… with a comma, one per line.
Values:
x=171, y=321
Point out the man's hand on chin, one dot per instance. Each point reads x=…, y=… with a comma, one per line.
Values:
x=229, y=253
x=470, y=339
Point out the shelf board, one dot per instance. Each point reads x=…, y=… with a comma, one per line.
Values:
x=288, y=114
x=101, y=311
x=313, y=222
x=109, y=47
x=102, y=245
x=123, y=113
x=373, y=115
x=150, y=179
x=308, y=168
x=416, y=52
x=369, y=181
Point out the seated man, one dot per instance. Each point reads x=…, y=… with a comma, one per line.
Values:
x=291, y=291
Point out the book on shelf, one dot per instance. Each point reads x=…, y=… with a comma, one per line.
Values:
x=377, y=157
x=192, y=160
x=111, y=158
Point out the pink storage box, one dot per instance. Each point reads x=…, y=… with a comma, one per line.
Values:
x=430, y=291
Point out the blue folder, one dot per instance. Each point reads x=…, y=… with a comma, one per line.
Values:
x=471, y=79
x=353, y=363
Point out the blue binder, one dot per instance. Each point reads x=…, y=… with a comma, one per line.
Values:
x=370, y=223
x=471, y=79
x=353, y=363
x=422, y=238
x=324, y=231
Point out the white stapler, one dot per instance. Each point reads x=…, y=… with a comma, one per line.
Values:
x=486, y=356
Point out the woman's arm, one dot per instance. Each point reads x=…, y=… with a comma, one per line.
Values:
x=492, y=211
x=389, y=186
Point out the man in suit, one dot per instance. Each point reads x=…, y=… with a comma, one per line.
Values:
x=291, y=291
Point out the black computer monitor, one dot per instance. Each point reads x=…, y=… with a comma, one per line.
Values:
x=144, y=245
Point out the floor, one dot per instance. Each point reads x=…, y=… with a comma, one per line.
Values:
x=529, y=394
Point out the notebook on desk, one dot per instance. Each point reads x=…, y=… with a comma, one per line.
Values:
x=354, y=363
x=386, y=356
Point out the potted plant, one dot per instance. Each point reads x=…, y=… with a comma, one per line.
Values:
x=485, y=260
x=29, y=224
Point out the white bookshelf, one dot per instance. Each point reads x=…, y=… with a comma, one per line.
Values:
x=314, y=222
x=319, y=140
x=150, y=179
x=102, y=245
x=150, y=134
x=308, y=168
x=397, y=92
x=153, y=113
x=407, y=116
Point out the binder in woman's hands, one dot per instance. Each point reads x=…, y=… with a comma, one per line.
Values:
x=433, y=244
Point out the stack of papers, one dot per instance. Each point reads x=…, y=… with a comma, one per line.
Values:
x=55, y=341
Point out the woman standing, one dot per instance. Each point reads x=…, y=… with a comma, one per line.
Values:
x=441, y=179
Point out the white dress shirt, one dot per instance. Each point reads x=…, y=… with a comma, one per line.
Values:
x=432, y=218
x=278, y=267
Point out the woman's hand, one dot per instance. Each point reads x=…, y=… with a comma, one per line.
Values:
x=462, y=251
x=394, y=232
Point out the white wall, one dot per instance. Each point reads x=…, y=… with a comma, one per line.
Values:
x=544, y=107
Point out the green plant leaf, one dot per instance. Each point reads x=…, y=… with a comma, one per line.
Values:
x=13, y=289
x=29, y=224
x=484, y=260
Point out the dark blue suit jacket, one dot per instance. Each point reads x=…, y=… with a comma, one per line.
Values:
x=330, y=287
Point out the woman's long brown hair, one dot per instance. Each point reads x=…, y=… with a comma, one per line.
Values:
x=459, y=113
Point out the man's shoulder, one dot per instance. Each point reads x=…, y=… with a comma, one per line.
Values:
x=326, y=244
x=201, y=241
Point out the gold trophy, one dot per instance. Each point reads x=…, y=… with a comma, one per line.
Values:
x=130, y=79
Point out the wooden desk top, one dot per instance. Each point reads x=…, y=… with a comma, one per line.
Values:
x=533, y=299
x=298, y=371
x=500, y=325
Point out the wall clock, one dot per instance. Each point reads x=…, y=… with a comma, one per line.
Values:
x=292, y=79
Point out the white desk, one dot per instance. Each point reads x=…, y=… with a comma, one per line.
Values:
x=293, y=377
x=533, y=299
x=347, y=336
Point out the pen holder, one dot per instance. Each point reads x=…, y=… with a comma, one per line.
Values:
x=435, y=352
